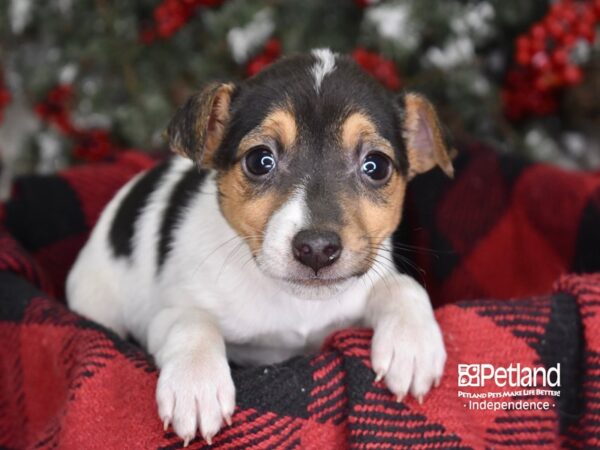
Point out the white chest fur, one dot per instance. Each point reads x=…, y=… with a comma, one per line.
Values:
x=211, y=267
x=288, y=326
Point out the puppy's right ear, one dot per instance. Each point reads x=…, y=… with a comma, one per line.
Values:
x=197, y=128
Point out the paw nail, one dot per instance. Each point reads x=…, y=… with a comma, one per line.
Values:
x=400, y=397
x=437, y=382
x=228, y=420
x=420, y=399
x=378, y=377
x=208, y=439
x=166, y=424
x=186, y=441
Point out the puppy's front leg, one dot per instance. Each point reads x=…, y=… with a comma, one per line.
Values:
x=195, y=389
x=407, y=347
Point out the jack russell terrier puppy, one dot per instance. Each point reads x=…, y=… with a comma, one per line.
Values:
x=270, y=230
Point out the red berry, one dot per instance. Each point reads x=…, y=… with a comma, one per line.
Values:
x=570, y=15
x=210, y=3
x=382, y=69
x=556, y=10
x=523, y=58
x=538, y=46
x=591, y=35
x=555, y=28
x=540, y=61
x=147, y=35
x=255, y=66
x=523, y=43
x=538, y=32
x=588, y=15
x=572, y=74
x=560, y=57
x=273, y=48
x=513, y=78
x=540, y=84
x=569, y=39
x=4, y=97
x=586, y=31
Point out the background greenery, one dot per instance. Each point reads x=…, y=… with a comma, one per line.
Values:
x=128, y=64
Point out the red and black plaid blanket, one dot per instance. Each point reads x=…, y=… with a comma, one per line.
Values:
x=503, y=229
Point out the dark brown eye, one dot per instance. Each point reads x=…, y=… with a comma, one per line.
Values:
x=377, y=167
x=259, y=161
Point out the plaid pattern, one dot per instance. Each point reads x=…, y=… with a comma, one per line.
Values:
x=501, y=229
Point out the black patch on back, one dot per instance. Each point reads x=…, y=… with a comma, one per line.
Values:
x=185, y=189
x=123, y=226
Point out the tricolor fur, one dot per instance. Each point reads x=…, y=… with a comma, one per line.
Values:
x=198, y=258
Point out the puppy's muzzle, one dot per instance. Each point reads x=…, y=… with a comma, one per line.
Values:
x=317, y=249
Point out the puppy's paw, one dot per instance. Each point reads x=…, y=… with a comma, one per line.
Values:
x=410, y=357
x=195, y=392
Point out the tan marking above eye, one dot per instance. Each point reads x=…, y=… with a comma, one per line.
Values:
x=279, y=125
x=359, y=127
x=282, y=123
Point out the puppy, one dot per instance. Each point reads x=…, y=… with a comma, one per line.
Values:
x=270, y=230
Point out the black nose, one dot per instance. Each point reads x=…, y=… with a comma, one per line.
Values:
x=317, y=249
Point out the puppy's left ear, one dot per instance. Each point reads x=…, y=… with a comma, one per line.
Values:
x=424, y=137
x=197, y=128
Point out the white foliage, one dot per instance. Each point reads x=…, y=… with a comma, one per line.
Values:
x=581, y=52
x=67, y=74
x=51, y=156
x=582, y=147
x=20, y=15
x=394, y=22
x=64, y=6
x=472, y=23
x=95, y=120
x=457, y=51
x=474, y=20
x=543, y=147
x=244, y=40
x=541, y=143
x=575, y=143
x=480, y=85
x=18, y=124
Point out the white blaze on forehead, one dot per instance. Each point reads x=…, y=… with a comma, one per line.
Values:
x=325, y=65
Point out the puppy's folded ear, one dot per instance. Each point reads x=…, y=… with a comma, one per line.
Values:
x=424, y=137
x=198, y=126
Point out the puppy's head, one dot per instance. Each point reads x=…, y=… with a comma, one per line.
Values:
x=312, y=158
